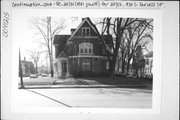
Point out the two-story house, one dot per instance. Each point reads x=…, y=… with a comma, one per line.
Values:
x=27, y=67
x=82, y=53
x=148, y=69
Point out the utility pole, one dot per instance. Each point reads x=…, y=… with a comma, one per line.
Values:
x=20, y=70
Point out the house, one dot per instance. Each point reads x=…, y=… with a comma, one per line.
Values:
x=82, y=52
x=27, y=67
x=148, y=69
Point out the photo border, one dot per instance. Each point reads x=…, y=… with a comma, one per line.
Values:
x=8, y=48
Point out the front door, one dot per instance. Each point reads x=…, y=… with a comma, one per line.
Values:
x=64, y=68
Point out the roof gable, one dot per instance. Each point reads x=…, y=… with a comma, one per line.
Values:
x=62, y=55
x=149, y=55
x=85, y=23
x=60, y=39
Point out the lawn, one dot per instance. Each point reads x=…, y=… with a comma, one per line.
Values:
x=117, y=81
x=90, y=81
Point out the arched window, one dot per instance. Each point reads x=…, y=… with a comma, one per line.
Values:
x=86, y=48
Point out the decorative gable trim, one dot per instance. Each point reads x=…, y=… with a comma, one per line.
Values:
x=62, y=55
x=85, y=20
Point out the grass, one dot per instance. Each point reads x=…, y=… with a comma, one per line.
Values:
x=116, y=80
x=90, y=81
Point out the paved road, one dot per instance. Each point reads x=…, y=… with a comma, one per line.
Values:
x=87, y=97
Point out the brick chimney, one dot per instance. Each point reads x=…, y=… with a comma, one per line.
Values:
x=83, y=19
x=72, y=30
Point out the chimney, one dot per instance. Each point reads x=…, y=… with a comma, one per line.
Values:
x=24, y=58
x=72, y=31
x=83, y=19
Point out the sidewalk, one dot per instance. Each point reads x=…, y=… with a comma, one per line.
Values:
x=84, y=86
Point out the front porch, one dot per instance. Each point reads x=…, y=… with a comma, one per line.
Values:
x=61, y=68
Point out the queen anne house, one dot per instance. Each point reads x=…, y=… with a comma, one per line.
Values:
x=82, y=52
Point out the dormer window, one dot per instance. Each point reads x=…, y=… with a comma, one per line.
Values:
x=86, y=48
x=85, y=31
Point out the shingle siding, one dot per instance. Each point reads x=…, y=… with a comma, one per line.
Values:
x=79, y=32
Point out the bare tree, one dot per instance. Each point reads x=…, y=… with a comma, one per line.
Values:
x=137, y=34
x=35, y=56
x=138, y=62
x=128, y=34
x=116, y=28
x=48, y=29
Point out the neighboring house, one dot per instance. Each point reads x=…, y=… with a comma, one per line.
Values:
x=43, y=69
x=81, y=53
x=148, y=70
x=27, y=68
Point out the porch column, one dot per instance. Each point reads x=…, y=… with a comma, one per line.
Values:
x=67, y=68
x=59, y=68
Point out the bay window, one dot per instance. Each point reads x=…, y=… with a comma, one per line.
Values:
x=86, y=48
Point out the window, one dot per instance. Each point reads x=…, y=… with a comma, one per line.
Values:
x=81, y=50
x=86, y=48
x=107, y=65
x=64, y=66
x=86, y=65
x=85, y=31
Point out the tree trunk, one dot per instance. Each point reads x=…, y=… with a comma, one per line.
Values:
x=112, y=68
x=50, y=45
x=118, y=67
x=36, y=68
x=128, y=64
x=123, y=61
x=118, y=39
x=51, y=66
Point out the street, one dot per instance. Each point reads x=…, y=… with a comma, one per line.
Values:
x=85, y=97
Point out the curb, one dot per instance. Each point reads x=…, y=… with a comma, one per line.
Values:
x=82, y=86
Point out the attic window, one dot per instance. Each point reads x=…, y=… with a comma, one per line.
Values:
x=85, y=31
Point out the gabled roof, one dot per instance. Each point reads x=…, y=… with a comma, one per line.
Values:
x=60, y=39
x=26, y=62
x=62, y=55
x=150, y=54
x=87, y=19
